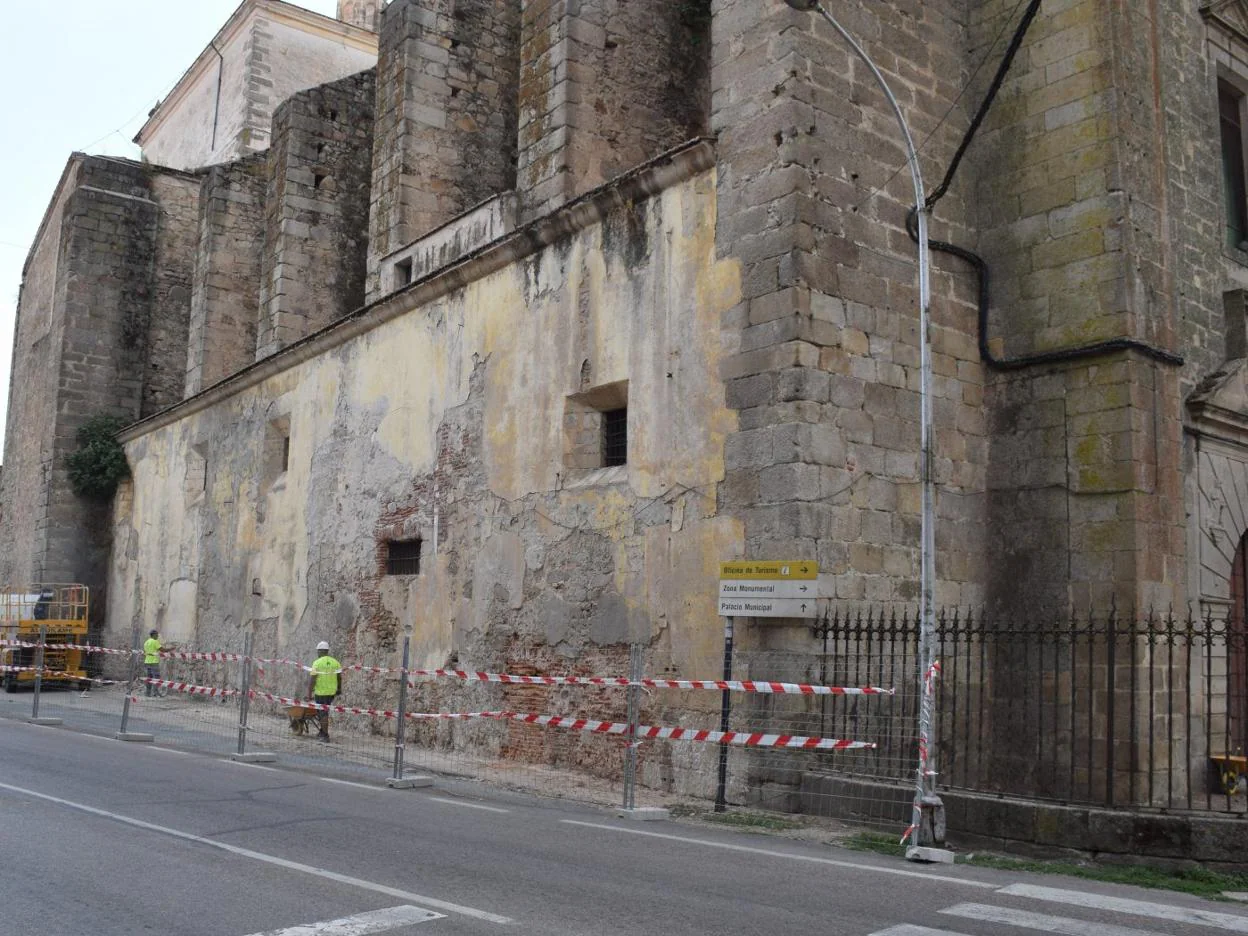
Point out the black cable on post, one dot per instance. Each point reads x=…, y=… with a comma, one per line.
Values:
x=980, y=265
x=997, y=80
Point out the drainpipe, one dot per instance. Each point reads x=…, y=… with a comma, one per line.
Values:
x=216, y=105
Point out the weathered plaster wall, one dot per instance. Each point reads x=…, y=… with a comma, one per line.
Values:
x=288, y=57
x=316, y=209
x=224, y=107
x=471, y=390
x=184, y=137
x=363, y=13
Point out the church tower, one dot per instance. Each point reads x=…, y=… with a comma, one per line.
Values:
x=362, y=13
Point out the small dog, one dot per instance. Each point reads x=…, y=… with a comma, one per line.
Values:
x=301, y=717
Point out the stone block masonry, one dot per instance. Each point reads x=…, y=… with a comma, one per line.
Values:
x=316, y=211
x=825, y=463
x=1084, y=242
x=604, y=86
x=224, y=300
x=173, y=273
x=445, y=135
x=107, y=328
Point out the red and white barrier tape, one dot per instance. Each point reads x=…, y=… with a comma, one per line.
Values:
x=735, y=685
x=47, y=673
x=754, y=739
x=262, y=662
x=594, y=726
x=208, y=657
x=66, y=646
x=929, y=693
x=732, y=685
x=189, y=688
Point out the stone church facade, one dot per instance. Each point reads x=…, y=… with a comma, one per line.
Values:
x=509, y=340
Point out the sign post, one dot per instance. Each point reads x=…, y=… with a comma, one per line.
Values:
x=750, y=588
x=768, y=589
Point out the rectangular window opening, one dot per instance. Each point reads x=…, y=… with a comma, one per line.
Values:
x=615, y=437
x=402, y=273
x=276, y=454
x=1234, y=175
x=403, y=557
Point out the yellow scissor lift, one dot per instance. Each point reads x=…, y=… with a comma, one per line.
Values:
x=24, y=609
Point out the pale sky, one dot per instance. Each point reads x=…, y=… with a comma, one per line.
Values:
x=82, y=75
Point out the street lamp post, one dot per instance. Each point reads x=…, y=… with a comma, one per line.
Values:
x=927, y=545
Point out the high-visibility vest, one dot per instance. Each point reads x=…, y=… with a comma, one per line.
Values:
x=326, y=669
x=151, y=650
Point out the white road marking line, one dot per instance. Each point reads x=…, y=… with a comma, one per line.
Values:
x=362, y=786
x=168, y=750
x=226, y=760
x=362, y=924
x=779, y=854
x=269, y=859
x=906, y=929
x=1144, y=908
x=467, y=805
x=1042, y=921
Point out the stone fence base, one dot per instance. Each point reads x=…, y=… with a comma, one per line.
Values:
x=1042, y=829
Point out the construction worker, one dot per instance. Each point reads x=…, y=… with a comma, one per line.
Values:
x=151, y=661
x=324, y=685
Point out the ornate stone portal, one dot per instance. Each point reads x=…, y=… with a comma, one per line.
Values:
x=1217, y=482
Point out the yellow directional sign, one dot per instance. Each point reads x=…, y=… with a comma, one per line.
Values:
x=748, y=569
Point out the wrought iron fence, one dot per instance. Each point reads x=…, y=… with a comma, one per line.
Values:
x=1114, y=709
x=1117, y=709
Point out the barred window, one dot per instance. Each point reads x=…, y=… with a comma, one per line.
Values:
x=403, y=557
x=614, y=437
x=1234, y=187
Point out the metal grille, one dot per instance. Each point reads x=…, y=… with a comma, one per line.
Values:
x=1234, y=189
x=403, y=557
x=615, y=437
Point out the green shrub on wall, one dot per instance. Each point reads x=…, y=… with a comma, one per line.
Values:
x=99, y=464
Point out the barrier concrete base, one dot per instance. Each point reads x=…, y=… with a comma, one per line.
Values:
x=644, y=813
x=408, y=783
x=1040, y=828
x=254, y=757
x=51, y=722
x=133, y=736
x=928, y=854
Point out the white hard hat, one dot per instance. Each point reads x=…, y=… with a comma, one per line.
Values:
x=323, y=645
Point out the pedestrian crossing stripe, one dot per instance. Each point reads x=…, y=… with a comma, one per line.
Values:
x=1032, y=921
x=1144, y=908
x=1043, y=922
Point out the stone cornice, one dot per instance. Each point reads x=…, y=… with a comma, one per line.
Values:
x=669, y=169
x=1216, y=12
x=1211, y=420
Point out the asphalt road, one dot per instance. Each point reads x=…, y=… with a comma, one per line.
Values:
x=102, y=837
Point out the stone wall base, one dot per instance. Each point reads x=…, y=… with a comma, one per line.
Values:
x=1042, y=829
